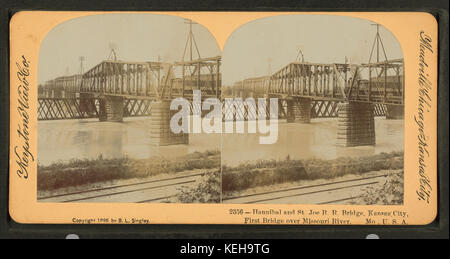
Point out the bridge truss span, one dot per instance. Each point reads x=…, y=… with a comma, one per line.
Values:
x=154, y=80
x=380, y=83
x=87, y=107
x=200, y=74
x=135, y=79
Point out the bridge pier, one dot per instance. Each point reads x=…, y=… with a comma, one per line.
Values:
x=356, y=124
x=395, y=112
x=160, y=132
x=111, y=109
x=299, y=110
x=87, y=103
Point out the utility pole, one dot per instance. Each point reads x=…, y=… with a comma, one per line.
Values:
x=191, y=42
x=112, y=54
x=159, y=70
x=377, y=42
x=82, y=59
x=300, y=53
x=190, y=38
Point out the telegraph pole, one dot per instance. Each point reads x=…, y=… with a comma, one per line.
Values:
x=300, y=53
x=191, y=42
x=82, y=59
x=377, y=42
x=159, y=70
x=112, y=54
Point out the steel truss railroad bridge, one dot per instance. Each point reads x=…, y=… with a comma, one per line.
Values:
x=115, y=89
x=326, y=85
x=137, y=84
x=354, y=93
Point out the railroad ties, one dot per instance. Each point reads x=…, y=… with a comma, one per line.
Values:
x=338, y=191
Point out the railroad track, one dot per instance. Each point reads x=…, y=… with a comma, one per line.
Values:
x=157, y=190
x=326, y=193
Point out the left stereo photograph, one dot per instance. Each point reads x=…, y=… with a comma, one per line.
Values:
x=100, y=78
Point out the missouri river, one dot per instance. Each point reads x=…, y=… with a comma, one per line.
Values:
x=90, y=139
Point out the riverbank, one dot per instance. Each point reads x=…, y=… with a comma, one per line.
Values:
x=91, y=171
x=270, y=172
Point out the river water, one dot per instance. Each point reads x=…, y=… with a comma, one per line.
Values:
x=89, y=139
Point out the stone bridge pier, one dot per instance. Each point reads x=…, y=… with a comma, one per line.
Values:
x=395, y=112
x=111, y=108
x=87, y=103
x=356, y=124
x=298, y=110
x=160, y=132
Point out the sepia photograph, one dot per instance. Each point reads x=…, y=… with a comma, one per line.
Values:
x=106, y=83
x=339, y=86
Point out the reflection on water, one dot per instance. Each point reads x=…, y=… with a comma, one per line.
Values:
x=68, y=139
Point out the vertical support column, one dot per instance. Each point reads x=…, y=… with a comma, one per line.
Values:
x=395, y=112
x=160, y=132
x=290, y=115
x=111, y=109
x=356, y=124
x=87, y=103
x=218, y=87
x=299, y=110
x=268, y=107
x=302, y=110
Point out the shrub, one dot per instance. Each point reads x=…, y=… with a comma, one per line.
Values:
x=391, y=193
x=205, y=190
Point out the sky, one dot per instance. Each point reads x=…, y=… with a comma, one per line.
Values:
x=247, y=52
x=137, y=37
x=321, y=38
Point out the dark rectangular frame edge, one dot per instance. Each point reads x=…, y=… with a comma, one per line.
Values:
x=437, y=229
